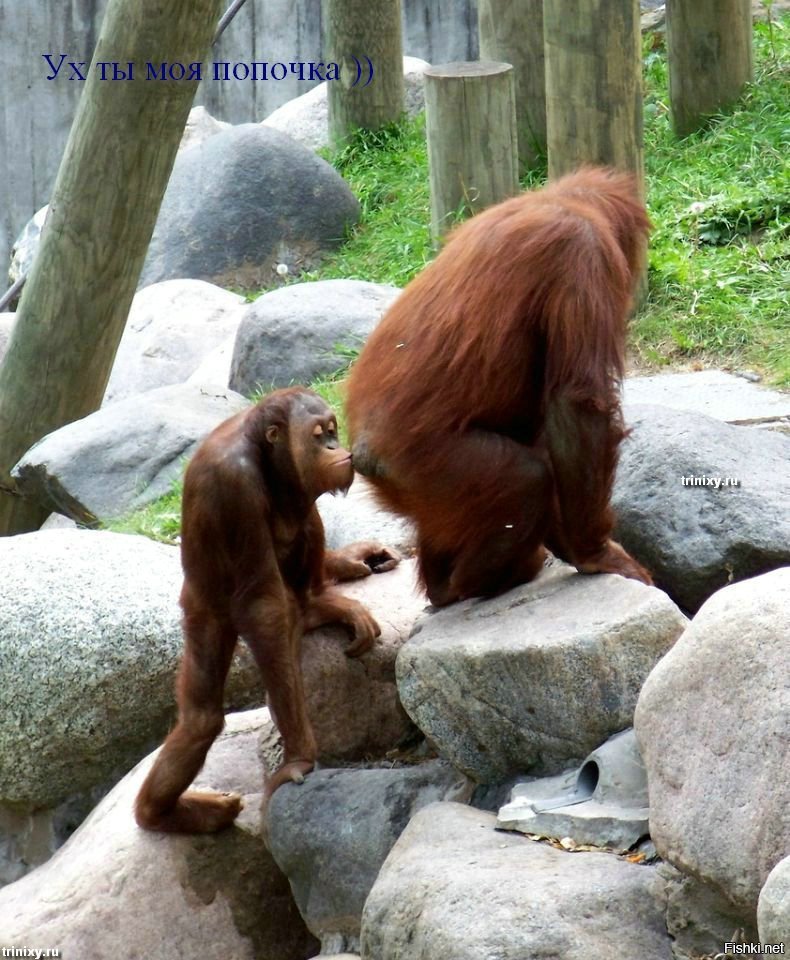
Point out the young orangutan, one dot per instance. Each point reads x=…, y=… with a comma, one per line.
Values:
x=255, y=567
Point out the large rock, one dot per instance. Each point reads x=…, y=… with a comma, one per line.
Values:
x=713, y=723
x=773, y=907
x=696, y=539
x=243, y=201
x=453, y=887
x=699, y=919
x=172, y=328
x=300, y=332
x=331, y=835
x=125, y=455
x=353, y=702
x=306, y=118
x=89, y=637
x=537, y=678
x=116, y=891
x=200, y=126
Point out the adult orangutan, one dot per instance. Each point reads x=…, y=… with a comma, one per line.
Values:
x=485, y=405
x=252, y=549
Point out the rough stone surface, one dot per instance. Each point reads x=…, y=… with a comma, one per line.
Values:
x=713, y=393
x=89, y=638
x=306, y=118
x=172, y=328
x=773, y=906
x=353, y=702
x=125, y=455
x=115, y=890
x=537, y=678
x=452, y=886
x=696, y=539
x=214, y=372
x=199, y=127
x=713, y=723
x=243, y=201
x=357, y=516
x=331, y=835
x=699, y=919
x=300, y=332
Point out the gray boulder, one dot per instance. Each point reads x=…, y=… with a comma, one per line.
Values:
x=117, y=891
x=537, y=678
x=353, y=702
x=123, y=456
x=243, y=201
x=699, y=919
x=172, y=328
x=305, y=118
x=773, y=907
x=200, y=126
x=331, y=835
x=305, y=330
x=696, y=539
x=453, y=886
x=89, y=639
x=713, y=724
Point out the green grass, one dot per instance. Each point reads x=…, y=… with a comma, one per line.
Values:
x=719, y=289
x=719, y=267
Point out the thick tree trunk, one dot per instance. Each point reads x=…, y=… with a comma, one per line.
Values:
x=709, y=48
x=512, y=31
x=368, y=33
x=104, y=205
x=472, y=142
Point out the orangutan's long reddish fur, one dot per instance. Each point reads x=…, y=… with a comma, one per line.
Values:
x=485, y=405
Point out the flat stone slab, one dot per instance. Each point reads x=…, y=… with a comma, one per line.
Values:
x=713, y=392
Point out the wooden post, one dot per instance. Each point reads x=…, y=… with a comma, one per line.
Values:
x=593, y=84
x=110, y=184
x=472, y=142
x=709, y=48
x=368, y=33
x=512, y=31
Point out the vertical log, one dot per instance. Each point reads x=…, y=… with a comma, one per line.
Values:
x=472, y=141
x=593, y=84
x=512, y=31
x=366, y=32
x=104, y=205
x=709, y=48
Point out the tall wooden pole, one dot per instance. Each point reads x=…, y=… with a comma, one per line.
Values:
x=366, y=35
x=593, y=84
x=512, y=31
x=709, y=49
x=470, y=117
x=104, y=205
